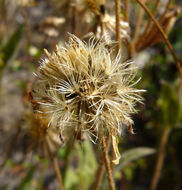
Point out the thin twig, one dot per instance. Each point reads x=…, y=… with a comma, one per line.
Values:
x=166, y=8
x=58, y=173
x=126, y=10
x=100, y=170
x=56, y=167
x=160, y=158
x=99, y=175
x=27, y=25
x=163, y=35
x=149, y=22
x=107, y=161
x=118, y=20
x=4, y=12
x=73, y=19
x=138, y=24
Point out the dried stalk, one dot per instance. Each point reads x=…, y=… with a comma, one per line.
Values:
x=27, y=25
x=149, y=22
x=73, y=19
x=160, y=158
x=138, y=24
x=126, y=10
x=163, y=35
x=99, y=175
x=166, y=8
x=118, y=20
x=100, y=170
x=56, y=168
x=107, y=161
x=4, y=11
x=58, y=173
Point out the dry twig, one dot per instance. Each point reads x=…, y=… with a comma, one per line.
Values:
x=126, y=11
x=100, y=170
x=56, y=167
x=138, y=24
x=149, y=22
x=118, y=20
x=107, y=161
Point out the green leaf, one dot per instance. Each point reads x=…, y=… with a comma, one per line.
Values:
x=87, y=165
x=9, y=48
x=71, y=179
x=83, y=176
x=134, y=154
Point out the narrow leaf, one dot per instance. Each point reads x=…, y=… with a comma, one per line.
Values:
x=134, y=154
x=10, y=47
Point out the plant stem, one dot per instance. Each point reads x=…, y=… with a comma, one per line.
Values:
x=149, y=23
x=73, y=19
x=100, y=170
x=137, y=28
x=126, y=7
x=25, y=15
x=107, y=161
x=160, y=158
x=58, y=173
x=4, y=11
x=166, y=8
x=56, y=167
x=99, y=175
x=118, y=20
x=163, y=35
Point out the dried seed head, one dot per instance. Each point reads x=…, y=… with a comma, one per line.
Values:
x=45, y=140
x=84, y=87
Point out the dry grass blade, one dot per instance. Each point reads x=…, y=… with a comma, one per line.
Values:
x=163, y=35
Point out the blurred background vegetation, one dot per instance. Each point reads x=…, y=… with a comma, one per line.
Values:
x=26, y=28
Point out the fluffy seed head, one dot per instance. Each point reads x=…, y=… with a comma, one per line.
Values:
x=85, y=88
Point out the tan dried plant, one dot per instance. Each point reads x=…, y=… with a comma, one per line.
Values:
x=86, y=89
x=45, y=140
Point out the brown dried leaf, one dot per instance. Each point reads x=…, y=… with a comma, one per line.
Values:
x=153, y=36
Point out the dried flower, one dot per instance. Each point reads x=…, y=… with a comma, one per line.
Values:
x=109, y=24
x=85, y=88
x=45, y=139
